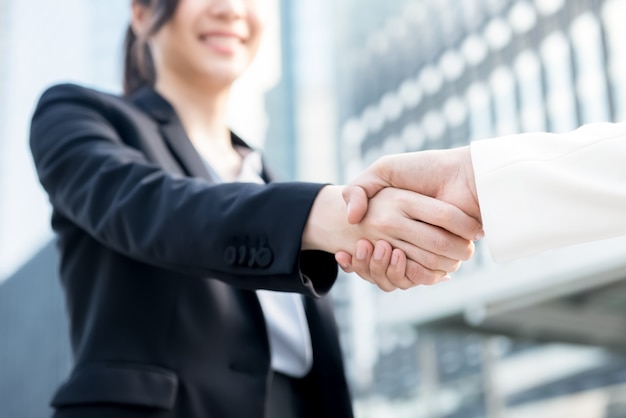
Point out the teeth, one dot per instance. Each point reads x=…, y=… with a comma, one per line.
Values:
x=222, y=40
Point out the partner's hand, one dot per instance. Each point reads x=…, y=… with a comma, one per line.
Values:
x=442, y=174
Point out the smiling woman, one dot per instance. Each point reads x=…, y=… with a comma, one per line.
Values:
x=195, y=288
x=204, y=51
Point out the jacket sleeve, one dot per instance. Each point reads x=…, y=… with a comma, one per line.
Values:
x=248, y=235
x=539, y=190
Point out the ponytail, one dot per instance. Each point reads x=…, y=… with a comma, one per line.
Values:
x=138, y=64
x=139, y=68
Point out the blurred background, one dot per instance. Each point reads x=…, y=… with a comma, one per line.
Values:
x=338, y=84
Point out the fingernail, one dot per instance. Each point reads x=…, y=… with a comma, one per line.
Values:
x=445, y=278
x=360, y=252
x=343, y=266
x=379, y=252
x=395, y=258
x=479, y=235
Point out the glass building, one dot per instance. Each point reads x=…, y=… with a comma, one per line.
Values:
x=539, y=337
x=536, y=337
x=39, y=46
x=41, y=43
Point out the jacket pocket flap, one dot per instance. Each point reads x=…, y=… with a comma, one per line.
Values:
x=133, y=384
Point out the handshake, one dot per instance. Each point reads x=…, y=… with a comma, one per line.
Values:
x=416, y=215
x=427, y=204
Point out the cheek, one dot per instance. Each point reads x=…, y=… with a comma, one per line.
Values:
x=165, y=44
x=257, y=28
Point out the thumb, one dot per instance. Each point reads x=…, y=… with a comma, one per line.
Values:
x=356, y=200
x=345, y=261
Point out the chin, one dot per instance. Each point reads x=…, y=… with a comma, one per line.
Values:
x=225, y=79
x=224, y=74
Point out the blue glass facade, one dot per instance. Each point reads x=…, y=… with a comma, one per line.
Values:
x=34, y=344
x=439, y=74
x=41, y=43
x=470, y=70
x=411, y=75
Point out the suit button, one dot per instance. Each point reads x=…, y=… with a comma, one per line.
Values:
x=263, y=257
x=243, y=251
x=230, y=255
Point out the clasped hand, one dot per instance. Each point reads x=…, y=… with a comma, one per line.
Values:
x=427, y=205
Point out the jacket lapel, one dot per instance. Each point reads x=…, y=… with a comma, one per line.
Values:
x=181, y=147
x=172, y=131
x=176, y=138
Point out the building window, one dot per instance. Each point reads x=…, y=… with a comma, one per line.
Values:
x=522, y=17
x=455, y=111
x=505, y=109
x=557, y=59
x=413, y=137
x=498, y=33
x=590, y=69
x=479, y=104
x=549, y=7
x=434, y=127
x=474, y=49
x=613, y=14
x=527, y=69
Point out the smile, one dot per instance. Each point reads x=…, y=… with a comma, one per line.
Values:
x=223, y=43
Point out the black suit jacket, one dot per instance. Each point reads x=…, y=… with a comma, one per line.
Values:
x=159, y=266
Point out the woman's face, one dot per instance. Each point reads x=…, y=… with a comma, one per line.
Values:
x=208, y=41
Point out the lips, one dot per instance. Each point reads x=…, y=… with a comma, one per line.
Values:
x=222, y=42
x=223, y=34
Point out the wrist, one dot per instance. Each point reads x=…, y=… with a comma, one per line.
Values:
x=327, y=223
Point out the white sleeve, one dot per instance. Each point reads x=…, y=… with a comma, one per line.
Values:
x=539, y=190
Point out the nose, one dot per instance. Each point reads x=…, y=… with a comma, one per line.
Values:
x=228, y=9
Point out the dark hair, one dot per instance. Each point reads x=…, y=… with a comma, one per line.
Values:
x=138, y=64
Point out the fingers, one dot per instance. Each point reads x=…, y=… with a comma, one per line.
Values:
x=361, y=260
x=446, y=216
x=380, y=267
x=443, y=174
x=356, y=200
x=388, y=268
x=371, y=264
x=427, y=239
x=438, y=213
x=377, y=266
x=365, y=186
x=345, y=261
x=405, y=220
x=404, y=276
x=419, y=275
x=431, y=246
x=397, y=266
